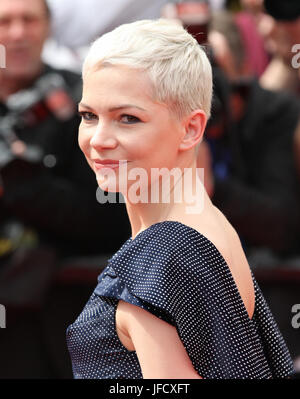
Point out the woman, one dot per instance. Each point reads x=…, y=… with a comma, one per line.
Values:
x=178, y=299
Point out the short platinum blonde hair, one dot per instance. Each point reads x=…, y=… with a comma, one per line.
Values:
x=178, y=67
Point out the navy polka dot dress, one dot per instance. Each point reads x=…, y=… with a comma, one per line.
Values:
x=177, y=274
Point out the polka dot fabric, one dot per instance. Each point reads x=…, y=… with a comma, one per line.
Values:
x=177, y=274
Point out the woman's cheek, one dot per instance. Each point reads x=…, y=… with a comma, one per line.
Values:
x=83, y=140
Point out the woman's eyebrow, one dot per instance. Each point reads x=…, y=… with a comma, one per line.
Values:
x=126, y=106
x=115, y=108
x=84, y=105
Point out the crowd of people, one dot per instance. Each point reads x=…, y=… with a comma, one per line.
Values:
x=49, y=211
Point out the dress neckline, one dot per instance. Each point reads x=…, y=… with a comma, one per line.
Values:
x=217, y=252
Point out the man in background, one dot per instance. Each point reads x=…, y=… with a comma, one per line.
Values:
x=48, y=207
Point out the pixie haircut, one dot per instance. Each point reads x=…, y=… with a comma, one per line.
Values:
x=177, y=66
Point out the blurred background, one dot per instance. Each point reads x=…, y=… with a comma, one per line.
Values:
x=55, y=238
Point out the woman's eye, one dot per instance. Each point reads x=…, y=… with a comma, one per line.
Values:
x=87, y=116
x=129, y=119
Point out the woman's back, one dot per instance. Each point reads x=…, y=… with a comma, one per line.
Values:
x=238, y=264
x=214, y=226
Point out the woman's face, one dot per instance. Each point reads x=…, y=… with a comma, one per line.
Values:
x=122, y=122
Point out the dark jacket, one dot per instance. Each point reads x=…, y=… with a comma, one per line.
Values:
x=58, y=201
x=260, y=193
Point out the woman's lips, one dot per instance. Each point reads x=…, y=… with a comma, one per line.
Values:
x=98, y=165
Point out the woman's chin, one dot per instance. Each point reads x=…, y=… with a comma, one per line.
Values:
x=110, y=188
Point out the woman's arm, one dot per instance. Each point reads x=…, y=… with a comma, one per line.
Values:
x=158, y=347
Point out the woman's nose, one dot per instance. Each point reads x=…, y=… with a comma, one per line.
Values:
x=103, y=137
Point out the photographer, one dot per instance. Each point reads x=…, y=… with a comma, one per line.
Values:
x=48, y=206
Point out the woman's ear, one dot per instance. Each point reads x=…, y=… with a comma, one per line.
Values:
x=194, y=126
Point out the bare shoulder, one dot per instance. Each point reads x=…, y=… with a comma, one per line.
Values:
x=216, y=228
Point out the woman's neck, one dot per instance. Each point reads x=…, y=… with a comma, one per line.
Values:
x=184, y=199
